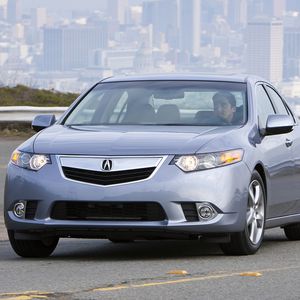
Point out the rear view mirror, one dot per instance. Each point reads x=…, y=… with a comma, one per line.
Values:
x=278, y=124
x=42, y=121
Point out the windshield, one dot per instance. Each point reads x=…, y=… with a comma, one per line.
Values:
x=162, y=103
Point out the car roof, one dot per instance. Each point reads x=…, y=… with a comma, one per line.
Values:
x=175, y=76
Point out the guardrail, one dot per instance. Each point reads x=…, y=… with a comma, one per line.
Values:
x=27, y=113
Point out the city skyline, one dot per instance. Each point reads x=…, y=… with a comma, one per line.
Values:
x=67, y=49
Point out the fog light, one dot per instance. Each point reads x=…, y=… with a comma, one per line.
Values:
x=19, y=209
x=205, y=211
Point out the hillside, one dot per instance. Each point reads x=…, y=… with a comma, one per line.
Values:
x=25, y=96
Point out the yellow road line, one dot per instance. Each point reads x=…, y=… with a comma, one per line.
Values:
x=30, y=295
x=27, y=295
x=164, y=282
x=191, y=279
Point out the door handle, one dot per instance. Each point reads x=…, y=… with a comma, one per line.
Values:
x=288, y=143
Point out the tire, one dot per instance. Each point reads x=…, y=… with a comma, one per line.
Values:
x=249, y=241
x=292, y=232
x=32, y=248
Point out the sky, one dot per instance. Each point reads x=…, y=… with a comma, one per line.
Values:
x=64, y=4
x=69, y=4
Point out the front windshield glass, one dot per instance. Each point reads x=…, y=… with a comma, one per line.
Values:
x=205, y=103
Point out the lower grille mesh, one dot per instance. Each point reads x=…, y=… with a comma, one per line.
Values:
x=108, y=211
x=31, y=207
x=107, y=178
x=190, y=211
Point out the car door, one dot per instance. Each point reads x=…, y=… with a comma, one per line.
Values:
x=276, y=157
x=293, y=140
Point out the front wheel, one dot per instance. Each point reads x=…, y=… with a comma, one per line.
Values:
x=249, y=241
x=32, y=248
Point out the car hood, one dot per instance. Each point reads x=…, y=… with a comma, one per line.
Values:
x=125, y=140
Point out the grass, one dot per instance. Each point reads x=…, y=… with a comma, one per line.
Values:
x=25, y=96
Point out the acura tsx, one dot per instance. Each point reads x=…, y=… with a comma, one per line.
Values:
x=212, y=158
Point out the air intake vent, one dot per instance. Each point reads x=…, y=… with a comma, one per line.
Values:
x=190, y=212
x=107, y=178
x=31, y=207
x=108, y=211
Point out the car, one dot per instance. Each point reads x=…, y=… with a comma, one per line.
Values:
x=175, y=156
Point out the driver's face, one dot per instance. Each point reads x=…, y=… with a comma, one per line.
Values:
x=223, y=109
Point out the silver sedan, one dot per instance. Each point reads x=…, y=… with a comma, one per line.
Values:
x=154, y=157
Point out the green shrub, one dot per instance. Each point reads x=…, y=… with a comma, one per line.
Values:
x=25, y=96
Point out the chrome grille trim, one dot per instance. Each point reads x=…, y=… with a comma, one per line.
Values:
x=141, y=162
x=119, y=163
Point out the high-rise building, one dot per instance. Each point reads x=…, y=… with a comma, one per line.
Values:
x=66, y=48
x=117, y=10
x=39, y=17
x=237, y=13
x=13, y=11
x=3, y=9
x=190, y=26
x=293, y=5
x=113, y=59
x=279, y=7
x=291, y=52
x=266, y=8
x=265, y=49
x=163, y=15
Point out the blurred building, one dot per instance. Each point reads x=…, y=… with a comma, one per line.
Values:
x=13, y=11
x=291, y=89
x=291, y=52
x=39, y=17
x=164, y=16
x=274, y=8
x=67, y=48
x=143, y=61
x=3, y=9
x=117, y=10
x=266, y=8
x=265, y=49
x=190, y=26
x=293, y=5
x=116, y=59
x=237, y=13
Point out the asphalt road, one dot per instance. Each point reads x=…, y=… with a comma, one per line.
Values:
x=96, y=269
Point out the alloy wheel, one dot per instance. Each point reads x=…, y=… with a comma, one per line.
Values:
x=255, y=212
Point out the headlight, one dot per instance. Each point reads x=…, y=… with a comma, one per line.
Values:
x=29, y=160
x=189, y=163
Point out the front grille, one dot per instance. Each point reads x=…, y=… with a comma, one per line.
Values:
x=108, y=211
x=190, y=211
x=107, y=178
x=31, y=207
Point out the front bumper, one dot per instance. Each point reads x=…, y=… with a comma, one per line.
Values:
x=226, y=188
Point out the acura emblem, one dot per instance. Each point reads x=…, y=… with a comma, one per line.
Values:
x=107, y=165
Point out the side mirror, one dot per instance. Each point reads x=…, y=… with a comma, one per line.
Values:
x=42, y=121
x=278, y=124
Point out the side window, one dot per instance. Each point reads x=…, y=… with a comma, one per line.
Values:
x=264, y=106
x=281, y=109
